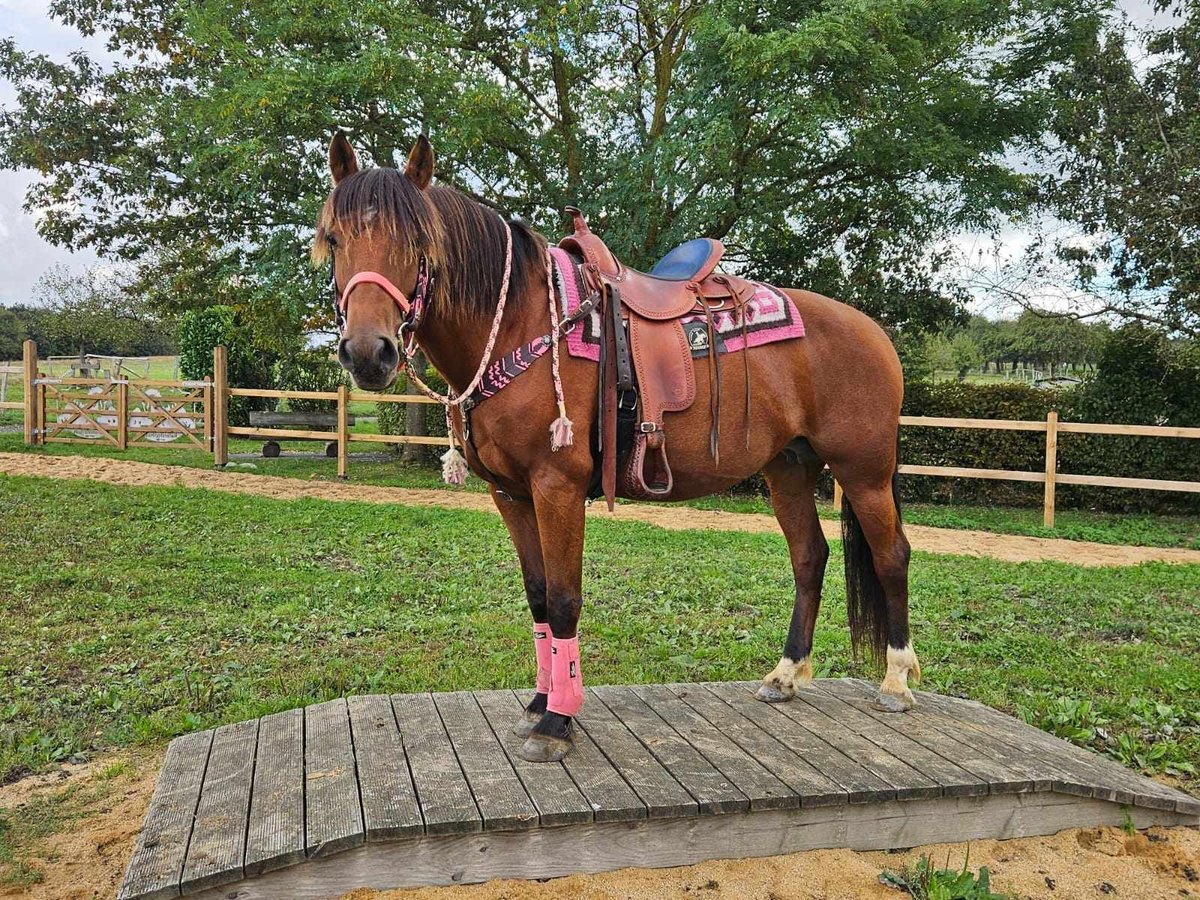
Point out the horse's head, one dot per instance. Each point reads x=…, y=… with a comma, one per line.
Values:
x=376, y=229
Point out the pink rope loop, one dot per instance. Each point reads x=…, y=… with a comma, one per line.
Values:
x=449, y=400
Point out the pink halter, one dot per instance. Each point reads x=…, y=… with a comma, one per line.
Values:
x=411, y=311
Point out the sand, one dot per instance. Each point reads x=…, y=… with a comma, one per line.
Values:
x=86, y=857
x=1007, y=547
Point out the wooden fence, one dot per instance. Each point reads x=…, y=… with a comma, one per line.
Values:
x=196, y=413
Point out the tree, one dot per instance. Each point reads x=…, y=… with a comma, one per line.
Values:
x=831, y=145
x=92, y=312
x=1129, y=132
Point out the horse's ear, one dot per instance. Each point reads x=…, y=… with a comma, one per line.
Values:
x=342, y=161
x=420, y=163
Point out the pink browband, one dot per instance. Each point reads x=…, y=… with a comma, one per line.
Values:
x=400, y=298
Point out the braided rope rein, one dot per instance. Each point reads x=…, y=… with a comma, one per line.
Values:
x=454, y=464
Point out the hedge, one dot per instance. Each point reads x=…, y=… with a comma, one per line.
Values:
x=200, y=330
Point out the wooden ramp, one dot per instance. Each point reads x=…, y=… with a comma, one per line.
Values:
x=427, y=789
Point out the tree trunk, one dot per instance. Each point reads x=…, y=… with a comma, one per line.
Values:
x=415, y=422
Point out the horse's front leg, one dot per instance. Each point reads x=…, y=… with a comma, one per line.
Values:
x=521, y=521
x=559, y=504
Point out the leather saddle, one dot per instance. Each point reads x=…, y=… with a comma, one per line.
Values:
x=646, y=364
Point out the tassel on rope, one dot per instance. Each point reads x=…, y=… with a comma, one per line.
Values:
x=454, y=467
x=562, y=430
x=454, y=464
x=562, y=433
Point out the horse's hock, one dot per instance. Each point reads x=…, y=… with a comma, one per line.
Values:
x=429, y=789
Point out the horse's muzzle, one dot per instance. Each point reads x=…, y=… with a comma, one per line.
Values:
x=372, y=360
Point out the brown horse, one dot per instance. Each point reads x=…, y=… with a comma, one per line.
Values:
x=831, y=398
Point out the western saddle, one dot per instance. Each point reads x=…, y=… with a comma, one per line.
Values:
x=645, y=358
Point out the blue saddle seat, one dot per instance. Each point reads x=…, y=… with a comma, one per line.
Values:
x=691, y=260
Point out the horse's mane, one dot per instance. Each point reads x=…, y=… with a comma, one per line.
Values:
x=463, y=241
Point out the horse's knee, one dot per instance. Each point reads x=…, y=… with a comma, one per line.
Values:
x=535, y=595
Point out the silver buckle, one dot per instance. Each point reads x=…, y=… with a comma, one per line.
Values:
x=648, y=427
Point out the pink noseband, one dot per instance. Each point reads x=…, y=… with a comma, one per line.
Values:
x=400, y=298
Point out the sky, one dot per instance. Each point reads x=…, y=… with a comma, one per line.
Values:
x=26, y=255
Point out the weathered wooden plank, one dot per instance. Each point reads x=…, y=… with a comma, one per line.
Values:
x=389, y=801
x=333, y=818
x=747, y=774
x=929, y=751
x=998, y=770
x=218, y=843
x=445, y=797
x=1077, y=771
x=713, y=791
x=275, y=836
x=607, y=793
x=662, y=794
x=860, y=784
x=600, y=847
x=1129, y=786
x=502, y=799
x=157, y=863
x=908, y=782
x=1045, y=770
x=554, y=793
x=811, y=787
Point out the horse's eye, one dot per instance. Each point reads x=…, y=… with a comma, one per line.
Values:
x=331, y=240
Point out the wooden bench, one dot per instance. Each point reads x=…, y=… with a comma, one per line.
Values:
x=271, y=448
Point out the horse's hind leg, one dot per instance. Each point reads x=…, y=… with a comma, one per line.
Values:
x=793, y=498
x=877, y=555
x=521, y=522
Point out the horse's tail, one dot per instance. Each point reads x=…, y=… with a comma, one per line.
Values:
x=866, y=603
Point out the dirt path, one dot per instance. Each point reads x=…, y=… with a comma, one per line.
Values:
x=97, y=810
x=1007, y=547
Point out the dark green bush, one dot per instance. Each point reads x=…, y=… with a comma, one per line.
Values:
x=200, y=330
x=392, y=416
x=310, y=370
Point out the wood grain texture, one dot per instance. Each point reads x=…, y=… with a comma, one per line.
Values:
x=657, y=843
x=442, y=790
x=607, y=793
x=389, y=800
x=218, y=843
x=657, y=788
x=747, y=774
x=420, y=789
x=157, y=863
x=333, y=810
x=714, y=793
x=558, y=800
x=275, y=832
x=860, y=784
x=502, y=799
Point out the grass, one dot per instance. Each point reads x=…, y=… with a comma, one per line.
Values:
x=1080, y=525
x=923, y=881
x=130, y=615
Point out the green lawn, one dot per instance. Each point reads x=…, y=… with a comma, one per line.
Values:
x=1081, y=525
x=133, y=614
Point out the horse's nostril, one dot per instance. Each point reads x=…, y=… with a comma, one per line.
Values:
x=343, y=353
x=389, y=354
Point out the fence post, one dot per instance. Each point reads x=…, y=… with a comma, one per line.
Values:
x=123, y=415
x=1051, y=467
x=837, y=495
x=208, y=413
x=220, y=396
x=343, y=430
x=29, y=363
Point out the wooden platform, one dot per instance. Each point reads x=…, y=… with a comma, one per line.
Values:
x=421, y=789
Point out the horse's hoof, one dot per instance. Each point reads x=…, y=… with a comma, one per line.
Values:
x=526, y=724
x=893, y=703
x=540, y=748
x=768, y=693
